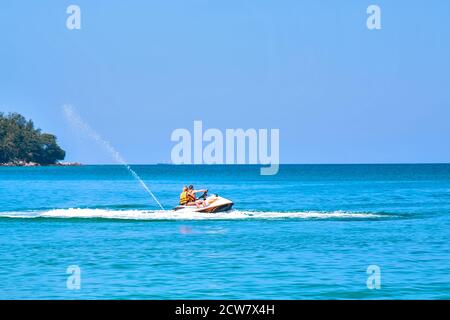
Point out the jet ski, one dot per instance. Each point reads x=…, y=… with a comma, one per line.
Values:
x=214, y=203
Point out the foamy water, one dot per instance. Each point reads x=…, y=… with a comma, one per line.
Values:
x=184, y=215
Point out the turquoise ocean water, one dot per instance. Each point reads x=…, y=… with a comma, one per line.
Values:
x=309, y=232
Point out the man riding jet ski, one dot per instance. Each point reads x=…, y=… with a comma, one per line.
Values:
x=214, y=203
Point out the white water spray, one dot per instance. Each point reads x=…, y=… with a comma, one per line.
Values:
x=76, y=121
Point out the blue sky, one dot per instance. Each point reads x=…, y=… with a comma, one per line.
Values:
x=137, y=70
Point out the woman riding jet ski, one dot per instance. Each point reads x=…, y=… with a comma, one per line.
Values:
x=214, y=203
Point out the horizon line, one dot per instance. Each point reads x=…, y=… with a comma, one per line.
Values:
x=259, y=164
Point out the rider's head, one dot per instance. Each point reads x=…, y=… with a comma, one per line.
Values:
x=191, y=187
x=185, y=188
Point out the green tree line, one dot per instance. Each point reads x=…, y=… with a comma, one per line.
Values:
x=21, y=141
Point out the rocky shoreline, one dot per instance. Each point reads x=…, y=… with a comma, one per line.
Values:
x=34, y=164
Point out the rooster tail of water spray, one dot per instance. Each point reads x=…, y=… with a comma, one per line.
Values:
x=78, y=123
x=135, y=175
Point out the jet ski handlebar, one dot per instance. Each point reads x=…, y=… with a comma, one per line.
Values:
x=204, y=195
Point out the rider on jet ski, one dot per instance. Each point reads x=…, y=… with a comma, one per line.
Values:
x=188, y=197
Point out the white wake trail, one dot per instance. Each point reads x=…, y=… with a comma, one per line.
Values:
x=186, y=215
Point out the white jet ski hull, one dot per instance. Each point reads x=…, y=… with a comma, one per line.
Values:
x=215, y=204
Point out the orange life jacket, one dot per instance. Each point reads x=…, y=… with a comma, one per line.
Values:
x=191, y=197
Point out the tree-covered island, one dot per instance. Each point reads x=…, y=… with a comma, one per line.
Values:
x=21, y=144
